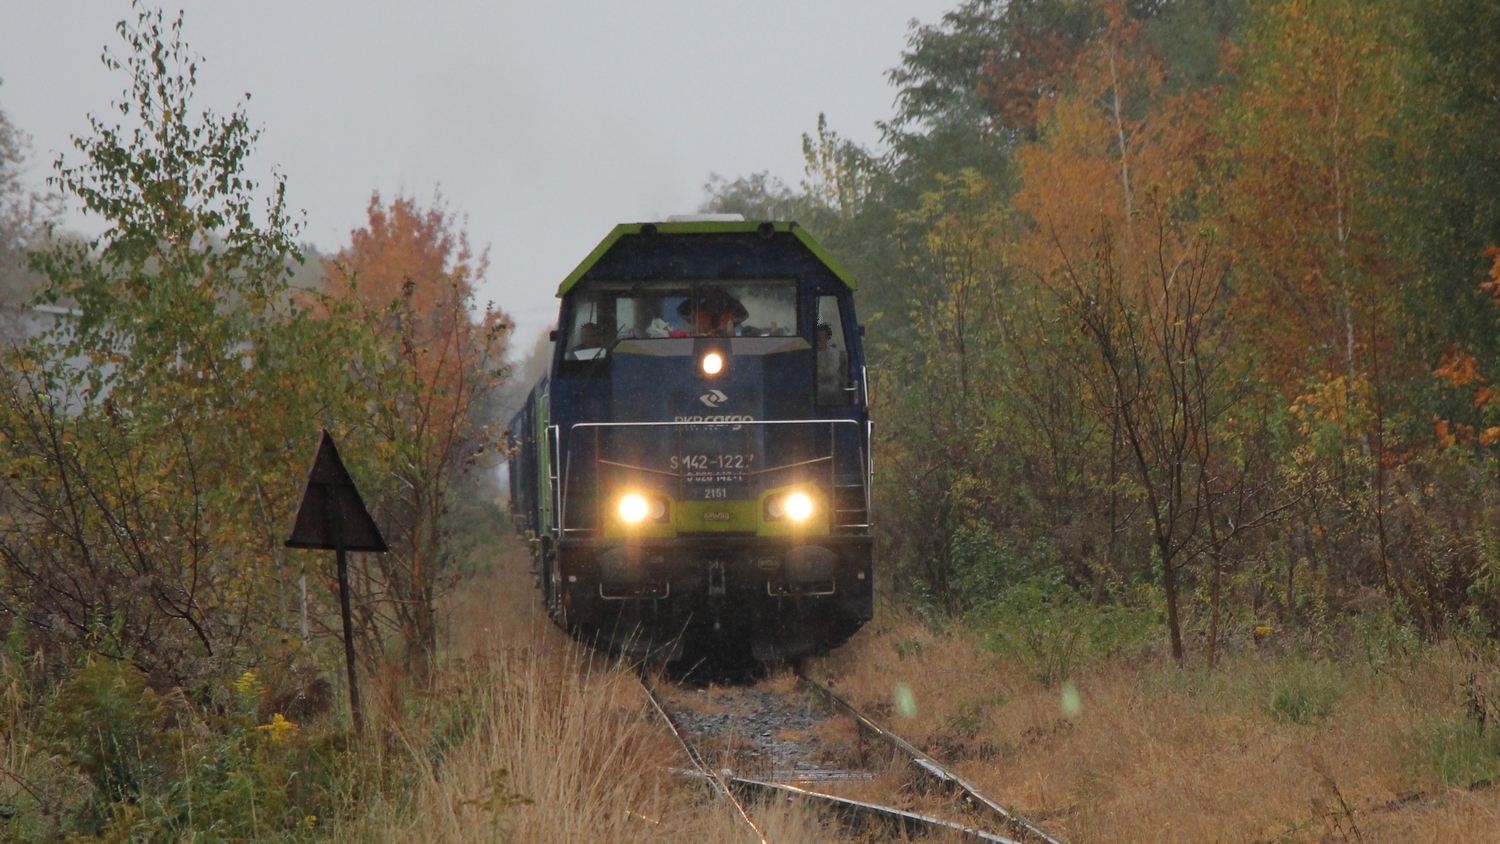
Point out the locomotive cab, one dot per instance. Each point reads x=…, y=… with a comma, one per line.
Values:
x=694, y=473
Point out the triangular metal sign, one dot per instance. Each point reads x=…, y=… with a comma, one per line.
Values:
x=332, y=516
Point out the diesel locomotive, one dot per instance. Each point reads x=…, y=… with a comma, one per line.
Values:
x=694, y=471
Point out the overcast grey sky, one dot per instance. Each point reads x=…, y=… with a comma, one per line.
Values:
x=545, y=122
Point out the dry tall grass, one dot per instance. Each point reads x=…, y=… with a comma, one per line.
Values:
x=20, y=761
x=1269, y=747
x=528, y=737
x=544, y=749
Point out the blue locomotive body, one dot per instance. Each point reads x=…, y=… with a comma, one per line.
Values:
x=694, y=472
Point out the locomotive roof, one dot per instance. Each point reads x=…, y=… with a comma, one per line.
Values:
x=703, y=227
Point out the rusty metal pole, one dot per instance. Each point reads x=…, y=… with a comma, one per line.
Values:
x=341, y=556
x=354, y=709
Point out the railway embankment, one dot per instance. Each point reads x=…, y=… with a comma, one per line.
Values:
x=1369, y=739
x=1374, y=739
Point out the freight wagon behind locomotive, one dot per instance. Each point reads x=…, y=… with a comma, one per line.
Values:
x=694, y=471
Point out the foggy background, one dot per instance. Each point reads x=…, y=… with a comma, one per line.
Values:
x=545, y=123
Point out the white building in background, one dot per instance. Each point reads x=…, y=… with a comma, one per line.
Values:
x=19, y=324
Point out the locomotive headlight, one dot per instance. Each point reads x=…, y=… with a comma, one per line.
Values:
x=776, y=507
x=634, y=508
x=798, y=506
x=713, y=363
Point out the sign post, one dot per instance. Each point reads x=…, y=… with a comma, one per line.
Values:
x=332, y=517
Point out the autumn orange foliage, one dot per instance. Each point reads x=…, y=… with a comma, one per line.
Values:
x=411, y=255
x=1319, y=282
x=1038, y=69
x=1460, y=369
x=1111, y=140
x=409, y=275
x=1493, y=285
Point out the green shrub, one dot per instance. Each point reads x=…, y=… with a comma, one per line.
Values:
x=162, y=772
x=1383, y=634
x=1052, y=628
x=112, y=728
x=985, y=566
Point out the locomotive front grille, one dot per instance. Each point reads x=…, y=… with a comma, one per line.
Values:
x=724, y=479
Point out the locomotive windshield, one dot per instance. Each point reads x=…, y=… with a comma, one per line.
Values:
x=609, y=313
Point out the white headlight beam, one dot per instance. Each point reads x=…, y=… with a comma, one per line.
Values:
x=633, y=508
x=799, y=507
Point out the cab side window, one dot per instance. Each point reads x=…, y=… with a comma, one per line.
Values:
x=834, y=386
x=587, y=339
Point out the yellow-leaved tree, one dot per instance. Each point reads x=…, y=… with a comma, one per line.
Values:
x=1113, y=187
x=1318, y=286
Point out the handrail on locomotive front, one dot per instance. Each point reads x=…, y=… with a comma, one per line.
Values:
x=866, y=469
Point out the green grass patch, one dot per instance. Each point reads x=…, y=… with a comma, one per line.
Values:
x=1303, y=700
x=1461, y=753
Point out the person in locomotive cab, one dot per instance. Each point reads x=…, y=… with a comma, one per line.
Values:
x=590, y=343
x=833, y=367
x=712, y=312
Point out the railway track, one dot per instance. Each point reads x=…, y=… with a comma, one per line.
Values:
x=767, y=767
x=700, y=768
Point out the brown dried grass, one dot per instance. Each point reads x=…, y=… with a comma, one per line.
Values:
x=1159, y=753
x=570, y=731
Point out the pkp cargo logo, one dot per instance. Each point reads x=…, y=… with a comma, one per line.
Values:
x=713, y=398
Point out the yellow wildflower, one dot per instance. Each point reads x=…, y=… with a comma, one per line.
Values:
x=248, y=684
x=279, y=728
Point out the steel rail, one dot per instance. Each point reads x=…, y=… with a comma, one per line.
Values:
x=702, y=769
x=933, y=767
x=910, y=823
